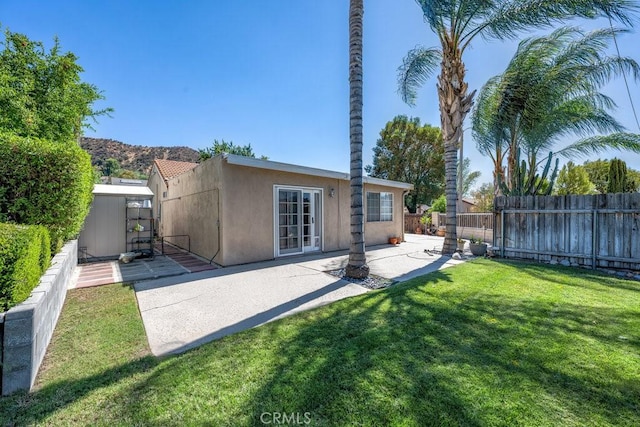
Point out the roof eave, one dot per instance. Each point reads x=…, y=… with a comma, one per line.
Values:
x=234, y=159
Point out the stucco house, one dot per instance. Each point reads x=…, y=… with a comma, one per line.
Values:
x=239, y=209
x=163, y=170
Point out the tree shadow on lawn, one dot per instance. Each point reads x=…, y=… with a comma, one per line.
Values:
x=595, y=280
x=414, y=354
x=23, y=408
x=406, y=355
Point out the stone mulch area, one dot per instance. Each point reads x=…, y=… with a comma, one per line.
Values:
x=370, y=282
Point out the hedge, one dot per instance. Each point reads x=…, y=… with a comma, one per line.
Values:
x=24, y=256
x=45, y=183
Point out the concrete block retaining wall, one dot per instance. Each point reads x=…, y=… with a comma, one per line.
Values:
x=28, y=327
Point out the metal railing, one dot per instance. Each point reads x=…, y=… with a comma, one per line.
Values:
x=471, y=220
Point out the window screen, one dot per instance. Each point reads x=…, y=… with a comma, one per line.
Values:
x=379, y=207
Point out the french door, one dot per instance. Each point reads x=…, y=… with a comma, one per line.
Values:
x=298, y=220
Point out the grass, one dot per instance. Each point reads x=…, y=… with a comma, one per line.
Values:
x=485, y=343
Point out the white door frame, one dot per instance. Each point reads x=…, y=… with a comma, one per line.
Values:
x=318, y=221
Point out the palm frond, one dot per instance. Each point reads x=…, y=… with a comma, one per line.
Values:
x=513, y=17
x=456, y=15
x=417, y=67
x=622, y=141
x=576, y=117
x=489, y=130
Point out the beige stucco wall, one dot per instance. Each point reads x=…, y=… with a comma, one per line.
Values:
x=157, y=185
x=241, y=198
x=377, y=233
x=248, y=212
x=191, y=207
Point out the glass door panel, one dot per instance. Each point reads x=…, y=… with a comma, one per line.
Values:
x=307, y=219
x=311, y=217
x=289, y=221
x=317, y=214
x=298, y=221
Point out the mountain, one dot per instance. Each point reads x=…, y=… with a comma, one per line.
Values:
x=134, y=157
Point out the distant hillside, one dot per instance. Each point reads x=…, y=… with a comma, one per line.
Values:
x=134, y=157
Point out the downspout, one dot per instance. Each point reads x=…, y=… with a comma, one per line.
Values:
x=218, y=226
x=404, y=194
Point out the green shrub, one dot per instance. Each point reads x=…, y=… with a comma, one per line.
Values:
x=24, y=256
x=45, y=183
x=439, y=205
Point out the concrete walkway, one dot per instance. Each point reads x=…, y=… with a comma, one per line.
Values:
x=183, y=312
x=107, y=272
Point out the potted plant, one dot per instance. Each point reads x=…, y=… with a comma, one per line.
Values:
x=426, y=221
x=440, y=232
x=477, y=246
x=394, y=240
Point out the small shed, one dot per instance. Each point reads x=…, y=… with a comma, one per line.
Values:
x=107, y=231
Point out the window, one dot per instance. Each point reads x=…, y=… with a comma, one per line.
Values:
x=379, y=207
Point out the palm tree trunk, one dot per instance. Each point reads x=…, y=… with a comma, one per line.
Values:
x=454, y=106
x=357, y=266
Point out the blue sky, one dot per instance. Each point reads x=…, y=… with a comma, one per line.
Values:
x=272, y=74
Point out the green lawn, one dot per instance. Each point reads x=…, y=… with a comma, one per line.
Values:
x=484, y=343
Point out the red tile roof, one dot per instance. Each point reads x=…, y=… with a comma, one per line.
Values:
x=170, y=168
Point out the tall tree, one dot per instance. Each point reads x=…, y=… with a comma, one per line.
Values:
x=551, y=90
x=598, y=171
x=410, y=152
x=483, y=197
x=357, y=266
x=110, y=167
x=223, y=146
x=41, y=93
x=617, y=176
x=573, y=179
x=457, y=23
x=633, y=181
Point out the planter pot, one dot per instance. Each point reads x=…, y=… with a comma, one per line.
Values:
x=393, y=240
x=461, y=245
x=440, y=233
x=478, y=249
x=418, y=230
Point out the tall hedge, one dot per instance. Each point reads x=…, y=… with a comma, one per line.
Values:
x=24, y=256
x=45, y=183
x=617, y=176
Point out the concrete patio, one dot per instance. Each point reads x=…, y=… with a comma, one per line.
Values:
x=186, y=311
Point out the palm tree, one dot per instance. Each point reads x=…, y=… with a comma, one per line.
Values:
x=457, y=23
x=550, y=90
x=357, y=266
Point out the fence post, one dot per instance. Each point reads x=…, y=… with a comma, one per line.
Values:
x=502, y=233
x=594, y=240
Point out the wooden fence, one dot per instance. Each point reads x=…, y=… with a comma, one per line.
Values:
x=477, y=225
x=601, y=231
x=411, y=222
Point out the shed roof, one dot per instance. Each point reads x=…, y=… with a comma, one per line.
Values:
x=121, y=190
x=170, y=168
x=286, y=167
